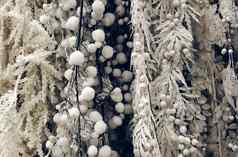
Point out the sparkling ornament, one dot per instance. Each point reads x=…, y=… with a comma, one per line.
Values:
x=76, y=58
x=72, y=23
x=107, y=52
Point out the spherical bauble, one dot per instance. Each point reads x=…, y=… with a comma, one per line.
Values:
x=224, y=51
x=83, y=109
x=92, y=151
x=91, y=71
x=98, y=35
x=95, y=116
x=98, y=6
x=116, y=72
x=121, y=58
x=116, y=95
x=117, y=120
x=69, y=4
x=68, y=74
x=105, y=151
x=108, y=19
x=100, y=127
x=62, y=141
x=127, y=76
x=120, y=10
x=44, y=19
x=127, y=97
x=76, y=58
x=107, y=52
x=183, y=129
x=49, y=144
x=108, y=69
x=98, y=44
x=92, y=48
x=88, y=93
x=74, y=112
x=72, y=23
x=120, y=107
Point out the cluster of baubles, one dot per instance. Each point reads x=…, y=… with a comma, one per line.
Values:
x=113, y=53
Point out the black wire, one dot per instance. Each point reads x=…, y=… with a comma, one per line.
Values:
x=78, y=42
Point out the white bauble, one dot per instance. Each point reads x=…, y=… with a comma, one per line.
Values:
x=120, y=10
x=98, y=44
x=118, y=2
x=120, y=107
x=90, y=81
x=83, y=109
x=108, y=69
x=76, y=58
x=107, y=52
x=127, y=97
x=88, y=93
x=121, y=58
x=71, y=41
x=95, y=116
x=62, y=141
x=183, y=129
x=125, y=87
x=74, y=112
x=128, y=109
x=120, y=39
x=69, y=4
x=92, y=48
x=98, y=6
x=98, y=35
x=49, y=144
x=115, y=154
x=127, y=76
x=72, y=23
x=100, y=127
x=129, y=44
x=108, y=19
x=97, y=16
x=68, y=74
x=114, y=62
x=105, y=151
x=44, y=19
x=116, y=72
x=91, y=71
x=116, y=95
x=92, y=151
x=117, y=120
